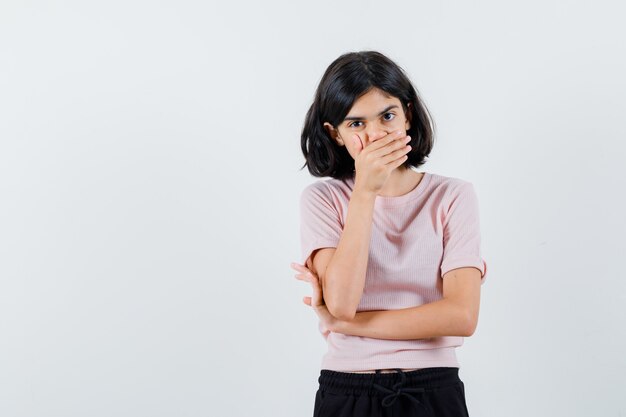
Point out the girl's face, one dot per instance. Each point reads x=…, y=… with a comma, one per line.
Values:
x=372, y=117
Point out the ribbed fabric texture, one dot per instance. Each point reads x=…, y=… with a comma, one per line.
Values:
x=416, y=238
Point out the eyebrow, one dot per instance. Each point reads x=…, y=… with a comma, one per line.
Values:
x=393, y=106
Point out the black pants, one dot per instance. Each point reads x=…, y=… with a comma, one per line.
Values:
x=431, y=392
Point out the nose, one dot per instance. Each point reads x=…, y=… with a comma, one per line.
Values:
x=375, y=132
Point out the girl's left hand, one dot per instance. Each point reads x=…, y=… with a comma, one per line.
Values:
x=316, y=301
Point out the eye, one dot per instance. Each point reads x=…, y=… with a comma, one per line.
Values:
x=389, y=116
x=353, y=124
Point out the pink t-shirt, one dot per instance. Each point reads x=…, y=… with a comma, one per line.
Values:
x=415, y=239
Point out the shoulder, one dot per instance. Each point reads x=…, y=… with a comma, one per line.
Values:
x=450, y=187
x=329, y=189
x=453, y=192
x=448, y=183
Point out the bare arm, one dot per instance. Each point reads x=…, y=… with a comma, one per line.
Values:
x=342, y=272
x=456, y=314
x=343, y=279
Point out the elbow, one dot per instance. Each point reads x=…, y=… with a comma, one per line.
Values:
x=338, y=304
x=341, y=312
x=339, y=309
x=469, y=331
x=470, y=322
x=346, y=315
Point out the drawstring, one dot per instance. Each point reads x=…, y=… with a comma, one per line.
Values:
x=398, y=390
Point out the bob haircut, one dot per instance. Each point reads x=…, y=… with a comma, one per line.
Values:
x=346, y=79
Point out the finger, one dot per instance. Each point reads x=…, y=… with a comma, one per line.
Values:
x=387, y=139
x=358, y=143
x=396, y=155
x=317, y=294
x=303, y=277
x=308, y=273
x=304, y=270
x=298, y=276
x=399, y=162
x=298, y=267
x=388, y=144
x=395, y=164
x=307, y=300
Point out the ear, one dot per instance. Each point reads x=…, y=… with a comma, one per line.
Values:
x=408, y=116
x=333, y=133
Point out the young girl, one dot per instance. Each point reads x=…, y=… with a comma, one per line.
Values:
x=392, y=254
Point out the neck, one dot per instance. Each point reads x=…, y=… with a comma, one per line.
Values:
x=401, y=181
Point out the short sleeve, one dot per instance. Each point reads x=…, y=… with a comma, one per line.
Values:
x=320, y=223
x=461, y=232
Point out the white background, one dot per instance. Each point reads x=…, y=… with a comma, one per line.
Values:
x=149, y=183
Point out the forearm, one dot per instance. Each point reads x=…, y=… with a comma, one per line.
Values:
x=344, y=279
x=436, y=319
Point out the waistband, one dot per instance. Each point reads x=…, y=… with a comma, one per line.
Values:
x=382, y=383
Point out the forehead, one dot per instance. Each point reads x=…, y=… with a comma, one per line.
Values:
x=372, y=102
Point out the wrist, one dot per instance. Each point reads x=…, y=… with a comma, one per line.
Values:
x=363, y=194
